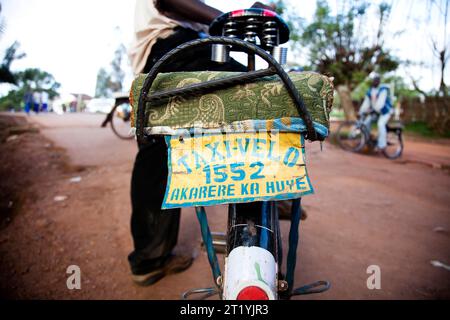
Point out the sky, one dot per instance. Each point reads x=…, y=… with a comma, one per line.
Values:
x=73, y=39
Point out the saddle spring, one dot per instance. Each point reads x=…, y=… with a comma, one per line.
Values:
x=231, y=30
x=270, y=34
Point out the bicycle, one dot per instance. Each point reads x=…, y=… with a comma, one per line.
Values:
x=254, y=255
x=354, y=136
x=119, y=117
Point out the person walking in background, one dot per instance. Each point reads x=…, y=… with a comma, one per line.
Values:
x=377, y=104
x=28, y=99
x=44, y=101
x=36, y=101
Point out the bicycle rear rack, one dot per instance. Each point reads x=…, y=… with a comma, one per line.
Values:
x=274, y=69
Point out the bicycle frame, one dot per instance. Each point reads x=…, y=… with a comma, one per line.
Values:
x=241, y=255
x=368, y=139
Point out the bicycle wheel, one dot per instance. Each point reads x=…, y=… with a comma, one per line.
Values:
x=120, y=121
x=394, y=148
x=351, y=136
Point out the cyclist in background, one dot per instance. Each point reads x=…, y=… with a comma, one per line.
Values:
x=377, y=104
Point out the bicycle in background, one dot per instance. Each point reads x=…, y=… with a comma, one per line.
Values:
x=119, y=117
x=354, y=136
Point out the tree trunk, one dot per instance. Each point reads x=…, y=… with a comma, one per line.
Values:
x=443, y=61
x=346, y=102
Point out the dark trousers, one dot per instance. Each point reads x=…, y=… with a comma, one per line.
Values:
x=155, y=231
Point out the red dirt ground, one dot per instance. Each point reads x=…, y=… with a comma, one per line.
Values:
x=366, y=210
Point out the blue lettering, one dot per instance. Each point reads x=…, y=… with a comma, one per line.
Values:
x=183, y=195
x=254, y=188
x=211, y=191
x=227, y=147
x=270, y=187
x=193, y=194
x=230, y=190
x=202, y=193
x=197, y=158
x=257, y=148
x=221, y=191
x=290, y=184
x=175, y=194
x=182, y=161
x=280, y=186
x=271, y=156
x=300, y=184
x=243, y=149
x=288, y=155
x=214, y=151
x=244, y=189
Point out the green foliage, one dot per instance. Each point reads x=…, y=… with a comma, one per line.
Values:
x=103, y=79
x=338, y=47
x=11, y=54
x=32, y=79
x=37, y=80
x=12, y=101
x=422, y=129
x=294, y=22
x=338, y=44
x=110, y=80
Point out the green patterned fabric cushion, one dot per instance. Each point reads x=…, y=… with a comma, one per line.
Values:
x=263, y=99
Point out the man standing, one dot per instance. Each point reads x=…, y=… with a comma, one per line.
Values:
x=162, y=25
x=378, y=100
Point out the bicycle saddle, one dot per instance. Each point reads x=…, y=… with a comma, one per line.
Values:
x=250, y=24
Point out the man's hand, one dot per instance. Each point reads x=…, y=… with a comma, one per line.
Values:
x=195, y=10
x=191, y=10
x=260, y=5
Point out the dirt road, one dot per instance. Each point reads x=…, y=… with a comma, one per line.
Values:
x=366, y=210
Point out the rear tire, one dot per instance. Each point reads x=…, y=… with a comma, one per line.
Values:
x=351, y=136
x=120, y=121
x=394, y=148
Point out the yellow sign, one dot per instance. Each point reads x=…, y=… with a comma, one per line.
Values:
x=239, y=167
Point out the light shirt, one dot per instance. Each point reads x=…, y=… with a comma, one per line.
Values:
x=44, y=97
x=37, y=97
x=149, y=25
x=374, y=103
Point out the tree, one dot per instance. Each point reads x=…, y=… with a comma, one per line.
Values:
x=117, y=74
x=339, y=47
x=442, y=52
x=110, y=80
x=32, y=79
x=102, y=86
x=38, y=80
x=11, y=54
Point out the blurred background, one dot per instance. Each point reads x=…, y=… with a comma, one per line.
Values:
x=64, y=180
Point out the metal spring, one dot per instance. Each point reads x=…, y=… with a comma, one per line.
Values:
x=270, y=34
x=230, y=29
x=251, y=30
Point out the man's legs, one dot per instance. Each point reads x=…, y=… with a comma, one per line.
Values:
x=368, y=121
x=382, y=132
x=155, y=231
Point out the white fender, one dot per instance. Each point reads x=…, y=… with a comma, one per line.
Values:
x=250, y=266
